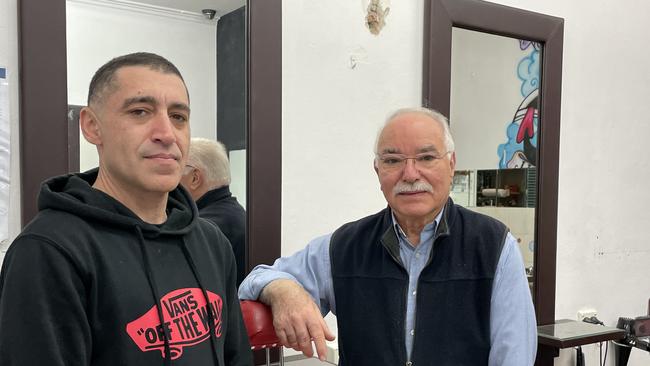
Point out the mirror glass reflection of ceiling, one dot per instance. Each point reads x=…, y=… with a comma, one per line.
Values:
x=221, y=6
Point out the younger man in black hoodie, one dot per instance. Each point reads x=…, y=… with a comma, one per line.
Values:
x=117, y=268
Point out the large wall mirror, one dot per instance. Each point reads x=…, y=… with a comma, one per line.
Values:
x=496, y=71
x=213, y=64
x=246, y=89
x=497, y=136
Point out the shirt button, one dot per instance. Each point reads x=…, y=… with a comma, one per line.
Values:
x=417, y=255
x=412, y=332
x=414, y=292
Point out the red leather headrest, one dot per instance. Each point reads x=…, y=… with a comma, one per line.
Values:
x=259, y=324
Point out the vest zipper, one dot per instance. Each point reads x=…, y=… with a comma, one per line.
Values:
x=415, y=316
x=404, y=302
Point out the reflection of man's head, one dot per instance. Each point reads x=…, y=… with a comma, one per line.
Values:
x=414, y=161
x=207, y=167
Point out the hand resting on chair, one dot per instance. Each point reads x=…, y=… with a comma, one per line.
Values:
x=296, y=318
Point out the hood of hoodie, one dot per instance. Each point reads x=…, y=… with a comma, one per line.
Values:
x=74, y=193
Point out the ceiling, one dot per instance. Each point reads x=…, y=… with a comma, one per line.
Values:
x=221, y=6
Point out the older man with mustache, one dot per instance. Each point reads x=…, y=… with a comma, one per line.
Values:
x=422, y=282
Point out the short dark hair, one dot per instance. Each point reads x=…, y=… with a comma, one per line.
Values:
x=105, y=75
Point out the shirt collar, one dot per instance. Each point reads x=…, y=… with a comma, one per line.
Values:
x=428, y=228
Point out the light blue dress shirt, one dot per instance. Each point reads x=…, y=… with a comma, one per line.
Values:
x=513, y=328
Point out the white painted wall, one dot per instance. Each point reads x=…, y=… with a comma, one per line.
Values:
x=9, y=60
x=238, y=175
x=96, y=33
x=331, y=113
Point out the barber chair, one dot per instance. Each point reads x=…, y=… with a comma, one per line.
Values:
x=259, y=326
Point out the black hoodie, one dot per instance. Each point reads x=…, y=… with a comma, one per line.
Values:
x=87, y=282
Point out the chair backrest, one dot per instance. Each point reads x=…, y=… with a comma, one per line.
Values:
x=258, y=319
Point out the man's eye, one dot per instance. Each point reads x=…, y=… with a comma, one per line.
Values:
x=392, y=161
x=138, y=112
x=427, y=157
x=179, y=117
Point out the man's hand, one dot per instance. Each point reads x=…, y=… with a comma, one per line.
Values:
x=296, y=318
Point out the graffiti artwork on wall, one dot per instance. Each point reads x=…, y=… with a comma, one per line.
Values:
x=520, y=151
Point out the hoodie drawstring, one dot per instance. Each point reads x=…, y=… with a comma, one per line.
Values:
x=154, y=290
x=157, y=298
x=211, y=325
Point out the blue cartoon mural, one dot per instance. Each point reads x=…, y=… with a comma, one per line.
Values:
x=520, y=151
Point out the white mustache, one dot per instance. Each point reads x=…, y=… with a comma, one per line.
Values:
x=418, y=186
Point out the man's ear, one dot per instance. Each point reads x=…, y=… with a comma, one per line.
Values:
x=452, y=162
x=197, y=179
x=90, y=126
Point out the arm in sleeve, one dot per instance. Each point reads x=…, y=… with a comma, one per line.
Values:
x=42, y=307
x=513, y=327
x=310, y=267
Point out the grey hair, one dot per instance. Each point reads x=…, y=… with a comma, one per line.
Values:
x=432, y=113
x=211, y=158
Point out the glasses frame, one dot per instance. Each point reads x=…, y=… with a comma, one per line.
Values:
x=402, y=159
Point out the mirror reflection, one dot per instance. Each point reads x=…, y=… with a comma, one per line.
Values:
x=499, y=78
x=98, y=30
x=205, y=39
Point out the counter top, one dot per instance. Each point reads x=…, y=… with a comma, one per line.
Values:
x=566, y=333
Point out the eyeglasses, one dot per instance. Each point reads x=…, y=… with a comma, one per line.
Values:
x=395, y=162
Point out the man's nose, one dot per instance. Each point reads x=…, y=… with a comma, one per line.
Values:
x=411, y=172
x=163, y=129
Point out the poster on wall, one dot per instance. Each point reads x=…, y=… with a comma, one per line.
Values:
x=4, y=158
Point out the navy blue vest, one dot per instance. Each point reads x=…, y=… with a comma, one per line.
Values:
x=453, y=295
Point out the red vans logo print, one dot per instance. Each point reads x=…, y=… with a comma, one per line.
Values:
x=185, y=322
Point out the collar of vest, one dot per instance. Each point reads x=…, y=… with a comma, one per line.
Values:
x=390, y=241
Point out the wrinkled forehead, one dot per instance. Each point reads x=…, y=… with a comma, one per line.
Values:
x=411, y=133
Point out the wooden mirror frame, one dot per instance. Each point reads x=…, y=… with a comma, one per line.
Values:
x=44, y=140
x=481, y=16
